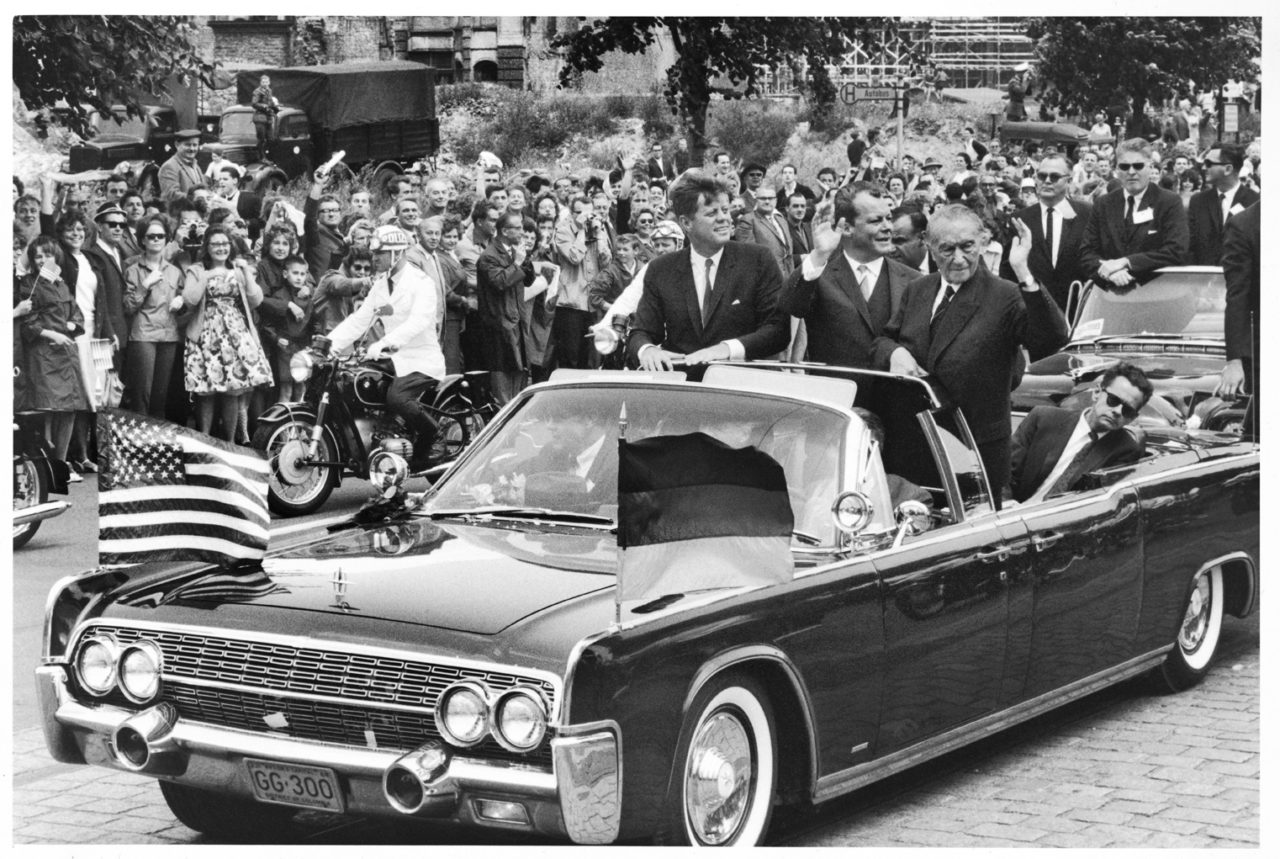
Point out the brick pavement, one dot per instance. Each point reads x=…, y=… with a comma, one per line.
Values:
x=1122, y=768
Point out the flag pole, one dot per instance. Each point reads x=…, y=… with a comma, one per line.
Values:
x=617, y=591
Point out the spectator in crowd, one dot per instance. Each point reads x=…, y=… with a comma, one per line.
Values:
x=279, y=244
x=734, y=285
x=359, y=208
x=153, y=300
x=658, y=199
x=643, y=220
x=265, y=107
x=501, y=275
x=133, y=207
x=845, y=290
x=336, y=293
x=484, y=217
x=437, y=196
x=408, y=217
x=752, y=178
x=608, y=284
x=1016, y=92
x=540, y=305
x=964, y=328
x=321, y=240
x=909, y=248
x=288, y=324
x=828, y=181
x=457, y=295
x=1057, y=224
x=789, y=185
x=115, y=188
x=800, y=228
x=1054, y=447
x=398, y=188
x=854, y=151
x=1029, y=193
x=660, y=167
x=224, y=358
x=1100, y=128
x=1136, y=229
x=767, y=228
x=682, y=156
x=180, y=173
x=1242, y=266
x=582, y=248
x=26, y=217
x=895, y=185
x=1209, y=211
x=54, y=384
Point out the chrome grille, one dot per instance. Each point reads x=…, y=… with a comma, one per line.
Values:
x=358, y=683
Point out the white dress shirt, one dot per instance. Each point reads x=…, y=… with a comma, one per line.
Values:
x=1079, y=438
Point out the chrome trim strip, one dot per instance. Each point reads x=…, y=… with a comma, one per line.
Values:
x=860, y=775
x=560, y=714
x=1251, y=570
x=737, y=656
x=308, y=643
x=567, y=750
x=297, y=696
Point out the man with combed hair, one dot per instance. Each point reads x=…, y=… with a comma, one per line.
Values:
x=1224, y=196
x=1057, y=226
x=767, y=228
x=1054, y=447
x=1137, y=228
x=716, y=299
x=845, y=290
x=963, y=328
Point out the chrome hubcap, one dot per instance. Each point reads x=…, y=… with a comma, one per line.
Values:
x=1196, y=621
x=718, y=779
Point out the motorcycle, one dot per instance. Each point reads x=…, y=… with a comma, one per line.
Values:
x=36, y=474
x=343, y=421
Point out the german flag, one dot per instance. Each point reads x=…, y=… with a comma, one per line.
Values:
x=696, y=514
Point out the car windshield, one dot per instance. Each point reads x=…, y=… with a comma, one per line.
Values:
x=238, y=123
x=557, y=450
x=118, y=126
x=1187, y=304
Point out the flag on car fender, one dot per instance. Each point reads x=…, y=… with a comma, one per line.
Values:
x=168, y=493
x=694, y=513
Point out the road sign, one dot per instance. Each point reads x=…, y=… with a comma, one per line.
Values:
x=1230, y=119
x=848, y=93
x=875, y=93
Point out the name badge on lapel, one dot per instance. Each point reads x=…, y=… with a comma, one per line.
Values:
x=1143, y=216
x=1235, y=210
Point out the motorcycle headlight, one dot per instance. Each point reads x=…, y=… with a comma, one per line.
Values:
x=520, y=720
x=605, y=340
x=300, y=365
x=387, y=471
x=462, y=714
x=139, y=671
x=96, y=664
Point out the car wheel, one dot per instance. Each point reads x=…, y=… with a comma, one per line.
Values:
x=30, y=488
x=226, y=817
x=295, y=488
x=1198, y=633
x=726, y=767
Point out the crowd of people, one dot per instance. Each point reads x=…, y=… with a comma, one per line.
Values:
x=206, y=292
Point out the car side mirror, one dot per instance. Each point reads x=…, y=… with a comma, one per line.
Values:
x=913, y=518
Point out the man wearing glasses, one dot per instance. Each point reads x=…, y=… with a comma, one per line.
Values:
x=322, y=241
x=109, y=266
x=1224, y=196
x=1057, y=231
x=1054, y=447
x=765, y=227
x=1137, y=228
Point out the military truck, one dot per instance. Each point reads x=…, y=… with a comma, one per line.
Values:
x=380, y=113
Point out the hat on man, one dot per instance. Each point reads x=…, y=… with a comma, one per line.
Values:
x=1022, y=67
x=108, y=209
x=667, y=230
x=188, y=134
x=1028, y=182
x=932, y=162
x=752, y=167
x=389, y=237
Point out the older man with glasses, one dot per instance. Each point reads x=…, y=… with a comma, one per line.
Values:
x=1057, y=225
x=1137, y=228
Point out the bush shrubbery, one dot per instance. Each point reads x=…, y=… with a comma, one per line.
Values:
x=753, y=130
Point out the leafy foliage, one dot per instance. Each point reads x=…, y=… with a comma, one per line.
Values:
x=722, y=56
x=1090, y=60
x=96, y=61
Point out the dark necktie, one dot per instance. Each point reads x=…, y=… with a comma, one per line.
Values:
x=1128, y=209
x=1074, y=470
x=1048, y=232
x=942, y=308
x=706, y=296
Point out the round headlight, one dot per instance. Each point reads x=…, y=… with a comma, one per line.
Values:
x=520, y=720
x=96, y=664
x=300, y=365
x=851, y=512
x=462, y=714
x=139, y=671
x=605, y=340
x=387, y=471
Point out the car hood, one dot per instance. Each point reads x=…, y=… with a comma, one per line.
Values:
x=1187, y=361
x=468, y=578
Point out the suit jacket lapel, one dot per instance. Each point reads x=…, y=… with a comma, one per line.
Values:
x=963, y=306
x=690, y=289
x=720, y=285
x=847, y=280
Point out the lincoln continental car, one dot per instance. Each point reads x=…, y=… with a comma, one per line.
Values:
x=464, y=659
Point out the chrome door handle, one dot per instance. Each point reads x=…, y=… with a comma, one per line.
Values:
x=999, y=555
x=1040, y=542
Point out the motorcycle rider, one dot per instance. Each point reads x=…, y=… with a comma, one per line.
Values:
x=405, y=299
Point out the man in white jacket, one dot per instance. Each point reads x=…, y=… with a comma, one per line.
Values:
x=404, y=297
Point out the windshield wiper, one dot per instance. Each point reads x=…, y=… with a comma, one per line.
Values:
x=534, y=513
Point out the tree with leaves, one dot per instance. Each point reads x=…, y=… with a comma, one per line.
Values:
x=1091, y=60
x=723, y=56
x=95, y=61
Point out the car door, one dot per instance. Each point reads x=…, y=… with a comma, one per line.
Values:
x=1087, y=563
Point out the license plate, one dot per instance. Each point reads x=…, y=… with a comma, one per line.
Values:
x=290, y=784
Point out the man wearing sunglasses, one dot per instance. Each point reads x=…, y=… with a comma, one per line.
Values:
x=1224, y=196
x=1057, y=230
x=1137, y=228
x=1053, y=447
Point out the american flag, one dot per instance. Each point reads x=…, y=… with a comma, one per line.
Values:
x=168, y=493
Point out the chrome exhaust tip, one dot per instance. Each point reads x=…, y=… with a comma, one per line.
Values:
x=418, y=783
x=144, y=743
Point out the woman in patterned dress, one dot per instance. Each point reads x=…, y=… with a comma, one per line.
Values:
x=224, y=358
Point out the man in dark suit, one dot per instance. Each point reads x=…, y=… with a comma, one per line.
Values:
x=1137, y=228
x=845, y=290
x=714, y=300
x=682, y=156
x=1242, y=265
x=909, y=248
x=1224, y=197
x=766, y=227
x=1057, y=230
x=1053, y=447
x=801, y=229
x=963, y=328
x=659, y=165
x=502, y=272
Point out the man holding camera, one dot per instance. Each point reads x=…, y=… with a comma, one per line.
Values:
x=582, y=244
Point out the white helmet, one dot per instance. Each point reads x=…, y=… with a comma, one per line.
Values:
x=389, y=237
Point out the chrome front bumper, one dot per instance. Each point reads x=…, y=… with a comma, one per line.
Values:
x=580, y=798
x=40, y=512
